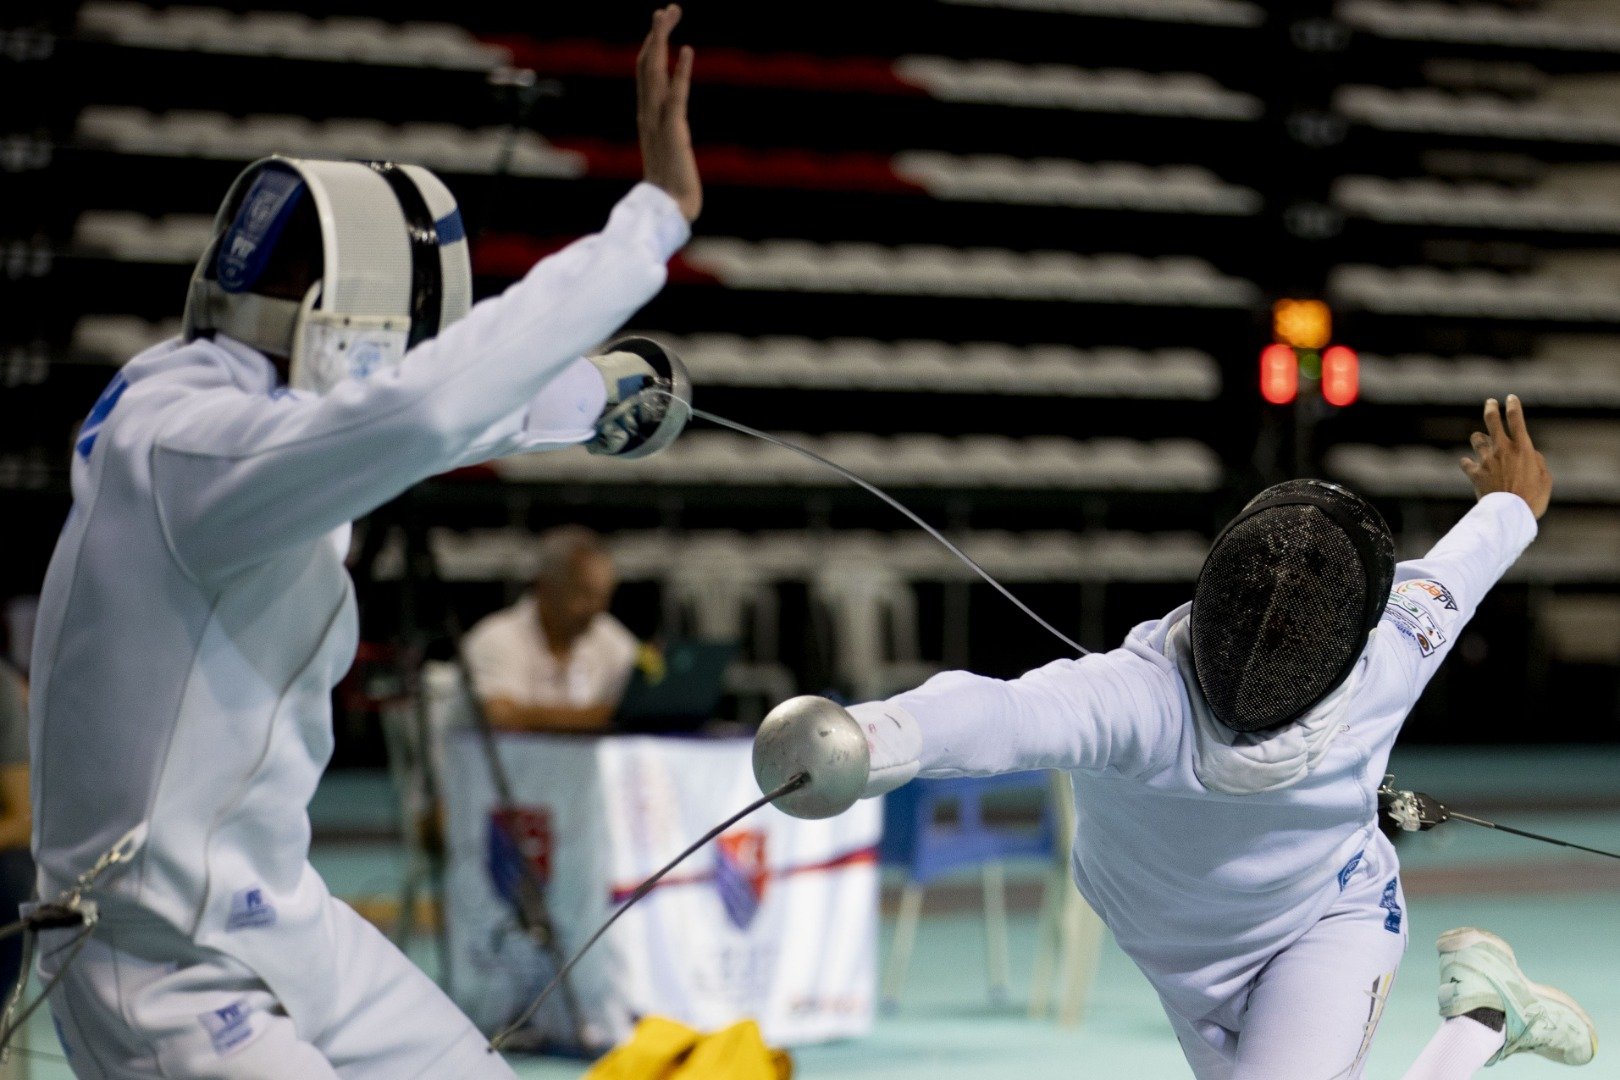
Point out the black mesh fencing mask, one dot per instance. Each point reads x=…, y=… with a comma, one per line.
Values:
x=1285, y=601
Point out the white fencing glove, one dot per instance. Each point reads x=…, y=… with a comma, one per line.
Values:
x=895, y=742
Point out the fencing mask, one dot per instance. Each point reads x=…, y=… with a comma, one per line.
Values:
x=391, y=269
x=1286, y=599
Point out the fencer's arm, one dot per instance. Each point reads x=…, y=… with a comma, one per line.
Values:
x=1111, y=711
x=562, y=414
x=239, y=475
x=1435, y=596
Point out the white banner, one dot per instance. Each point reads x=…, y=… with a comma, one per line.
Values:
x=775, y=921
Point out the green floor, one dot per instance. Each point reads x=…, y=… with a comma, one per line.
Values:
x=1560, y=909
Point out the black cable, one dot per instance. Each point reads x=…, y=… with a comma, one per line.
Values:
x=794, y=783
x=898, y=505
x=1530, y=835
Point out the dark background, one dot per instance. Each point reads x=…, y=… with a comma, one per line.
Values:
x=1509, y=677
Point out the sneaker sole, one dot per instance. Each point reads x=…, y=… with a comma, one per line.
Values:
x=1463, y=937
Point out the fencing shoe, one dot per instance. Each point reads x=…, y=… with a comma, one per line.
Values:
x=1478, y=971
x=649, y=398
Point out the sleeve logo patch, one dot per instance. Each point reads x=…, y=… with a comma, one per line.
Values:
x=1415, y=621
x=1421, y=587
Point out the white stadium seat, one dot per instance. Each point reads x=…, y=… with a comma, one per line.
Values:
x=971, y=367
x=1053, y=86
x=346, y=38
x=1483, y=24
x=925, y=460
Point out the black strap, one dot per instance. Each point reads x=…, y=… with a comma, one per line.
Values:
x=427, y=272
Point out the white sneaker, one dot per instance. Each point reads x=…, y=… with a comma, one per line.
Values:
x=1478, y=971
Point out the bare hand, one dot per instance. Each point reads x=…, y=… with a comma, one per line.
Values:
x=666, y=141
x=1508, y=461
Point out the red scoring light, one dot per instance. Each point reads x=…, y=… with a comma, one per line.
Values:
x=1279, y=374
x=1341, y=375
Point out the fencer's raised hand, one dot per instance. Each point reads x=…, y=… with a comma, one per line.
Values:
x=666, y=140
x=1507, y=459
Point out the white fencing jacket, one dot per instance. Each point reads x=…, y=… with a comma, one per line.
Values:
x=1204, y=851
x=197, y=613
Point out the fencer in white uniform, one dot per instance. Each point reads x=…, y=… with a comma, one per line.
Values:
x=1236, y=859
x=197, y=612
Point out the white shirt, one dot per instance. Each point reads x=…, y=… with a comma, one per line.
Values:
x=1202, y=885
x=509, y=657
x=196, y=613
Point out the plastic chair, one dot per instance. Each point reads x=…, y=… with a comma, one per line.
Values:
x=1068, y=933
x=875, y=628
x=926, y=848
x=717, y=594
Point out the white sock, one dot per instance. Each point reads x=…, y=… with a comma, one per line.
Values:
x=1458, y=1050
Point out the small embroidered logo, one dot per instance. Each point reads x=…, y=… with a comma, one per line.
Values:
x=228, y=1028
x=250, y=910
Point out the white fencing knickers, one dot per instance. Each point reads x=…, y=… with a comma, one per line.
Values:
x=202, y=1015
x=1315, y=1006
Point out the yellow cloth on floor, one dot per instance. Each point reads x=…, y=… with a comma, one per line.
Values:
x=661, y=1049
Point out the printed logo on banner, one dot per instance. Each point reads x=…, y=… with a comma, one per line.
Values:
x=1415, y=622
x=229, y=1028
x=741, y=874
x=250, y=910
x=519, y=835
x=1432, y=589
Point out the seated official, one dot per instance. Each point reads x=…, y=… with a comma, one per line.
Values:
x=555, y=660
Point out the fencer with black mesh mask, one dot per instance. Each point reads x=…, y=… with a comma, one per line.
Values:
x=1286, y=600
x=1225, y=763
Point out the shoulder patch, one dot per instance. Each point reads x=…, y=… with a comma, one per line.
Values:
x=1420, y=587
x=1416, y=622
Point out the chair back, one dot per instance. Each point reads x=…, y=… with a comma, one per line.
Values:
x=928, y=844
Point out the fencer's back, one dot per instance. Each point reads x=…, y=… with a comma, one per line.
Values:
x=199, y=709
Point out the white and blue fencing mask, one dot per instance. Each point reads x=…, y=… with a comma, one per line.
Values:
x=394, y=266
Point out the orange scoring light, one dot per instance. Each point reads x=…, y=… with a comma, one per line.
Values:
x=1279, y=374
x=1304, y=324
x=1341, y=376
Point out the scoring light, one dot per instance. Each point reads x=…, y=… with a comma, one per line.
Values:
x=1279, y=374
x=1304, y=324
x=1341, y=376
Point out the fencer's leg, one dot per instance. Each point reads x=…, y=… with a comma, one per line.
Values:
x=121, y=1016
x=1458, y=1050
x=1489, y=1010
x=1319, y=1001
x=390, y=1021
x=1208, y=1048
